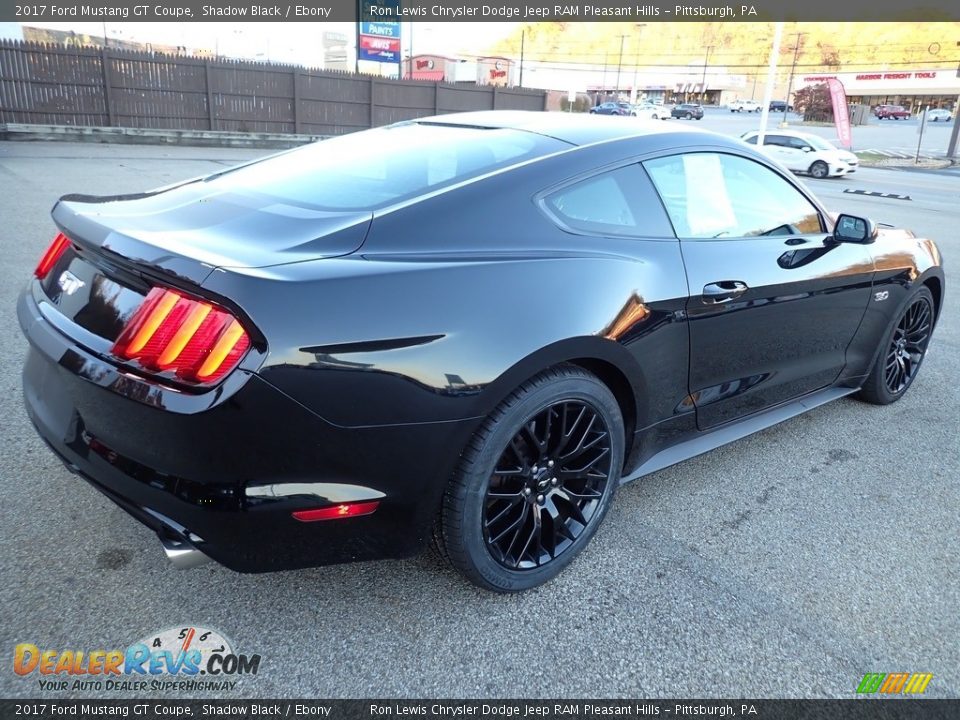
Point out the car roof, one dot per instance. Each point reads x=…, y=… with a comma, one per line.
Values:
x=572, y=128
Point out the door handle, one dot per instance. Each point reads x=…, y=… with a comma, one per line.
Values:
x=723, y=291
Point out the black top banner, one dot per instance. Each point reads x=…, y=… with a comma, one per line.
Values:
x=862, y=709
x=478, y=11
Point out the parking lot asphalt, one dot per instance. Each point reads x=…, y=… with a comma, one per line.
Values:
x=787, y=564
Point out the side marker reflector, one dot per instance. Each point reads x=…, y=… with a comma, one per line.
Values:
x=337, y=512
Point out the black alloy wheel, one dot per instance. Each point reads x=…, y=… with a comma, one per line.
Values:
x=907, y=346
x=904, y=347
x=547, y=485
x=535, y=482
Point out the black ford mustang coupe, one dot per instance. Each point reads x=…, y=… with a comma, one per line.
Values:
x=475, y=326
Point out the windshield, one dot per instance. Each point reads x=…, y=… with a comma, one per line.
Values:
x=371, y=169
x=819, y=143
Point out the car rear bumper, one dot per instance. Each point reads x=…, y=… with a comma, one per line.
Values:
x=223, y=475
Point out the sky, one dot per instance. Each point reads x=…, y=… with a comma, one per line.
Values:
x=296, y=43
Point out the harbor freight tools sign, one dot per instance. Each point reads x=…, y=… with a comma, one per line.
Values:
x=379, y=40
x=475, y=10
x=187, y=659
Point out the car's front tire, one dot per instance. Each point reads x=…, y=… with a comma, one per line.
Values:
x=689, y=116
x=902, y=352
x=534, y=483
x=819, y=170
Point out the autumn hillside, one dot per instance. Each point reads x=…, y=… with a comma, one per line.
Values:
x=745, y=46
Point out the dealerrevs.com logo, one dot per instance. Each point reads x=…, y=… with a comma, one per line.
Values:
x=184, y=658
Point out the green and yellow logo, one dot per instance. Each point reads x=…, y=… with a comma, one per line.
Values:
x=895, y=683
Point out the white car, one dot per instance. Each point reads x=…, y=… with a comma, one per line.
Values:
x=805, y=153
x=939, y=115
x=744, y=106
x=649, y=110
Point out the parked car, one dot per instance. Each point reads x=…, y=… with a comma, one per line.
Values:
x=744, y=106
x=805, y=153
x=939, y=115
x=780, y=106
x=689, y=111
x=891, y=112
x=473, y=325
x=612, y=108
x=651, y=111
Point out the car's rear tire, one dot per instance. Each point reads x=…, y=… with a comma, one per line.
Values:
x=819, y=170
x=534, y=483
x=901, y=354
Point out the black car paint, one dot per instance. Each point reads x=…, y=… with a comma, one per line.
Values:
x=371, y=370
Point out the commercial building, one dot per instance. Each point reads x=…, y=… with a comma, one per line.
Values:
x=914, y=89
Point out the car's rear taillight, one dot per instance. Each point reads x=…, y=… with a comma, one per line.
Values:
x=173, y=332
x=53, y=253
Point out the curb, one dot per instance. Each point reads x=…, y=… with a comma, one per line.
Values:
x=150, y=136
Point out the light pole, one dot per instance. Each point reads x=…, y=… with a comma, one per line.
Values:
x=639, y=27
x=703, y=82
x=616, y=87
x=793, y=69
x=955, y=133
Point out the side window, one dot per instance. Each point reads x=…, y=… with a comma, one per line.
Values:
x=775, y=140
x=712, y=195
x=752, y=140
x=619, y=202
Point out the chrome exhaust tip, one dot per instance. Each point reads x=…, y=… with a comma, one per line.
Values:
x=183, y=556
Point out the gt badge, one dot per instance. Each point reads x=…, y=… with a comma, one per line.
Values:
x=69, y=282
x=881, y=296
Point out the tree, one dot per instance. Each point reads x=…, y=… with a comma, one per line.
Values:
x=814, y=102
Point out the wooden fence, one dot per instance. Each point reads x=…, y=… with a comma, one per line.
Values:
x=65, y=85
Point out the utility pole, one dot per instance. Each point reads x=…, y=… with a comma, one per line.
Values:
x=634, y=97
x=523, y=41
x=605, y=57
x=793, y=69
x=616, y=88
x=703, y=82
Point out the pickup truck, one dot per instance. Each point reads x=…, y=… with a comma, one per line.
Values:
x=891, y=112
x=744, y=106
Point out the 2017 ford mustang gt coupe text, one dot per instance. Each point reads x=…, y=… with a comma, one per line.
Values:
x=472, y=326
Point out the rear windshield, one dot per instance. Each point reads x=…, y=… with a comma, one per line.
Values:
x=374, y=168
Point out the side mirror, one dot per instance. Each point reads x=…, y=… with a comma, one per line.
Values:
x=851, y=229
x=807, y=148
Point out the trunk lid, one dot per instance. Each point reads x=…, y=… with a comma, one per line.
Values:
x=124, y=245
x=191, y=229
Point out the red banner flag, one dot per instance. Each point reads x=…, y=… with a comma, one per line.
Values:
x=841, y=116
